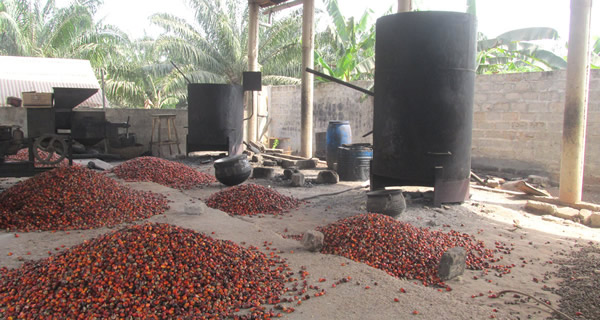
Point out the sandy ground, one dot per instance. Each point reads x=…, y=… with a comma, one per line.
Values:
x=488, y=216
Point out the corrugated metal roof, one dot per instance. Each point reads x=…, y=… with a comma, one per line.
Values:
x=268, y=3
x=22, y=74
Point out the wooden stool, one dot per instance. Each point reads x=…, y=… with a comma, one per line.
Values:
x=170, y=121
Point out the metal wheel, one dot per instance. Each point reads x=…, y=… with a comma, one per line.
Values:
x=51, y=145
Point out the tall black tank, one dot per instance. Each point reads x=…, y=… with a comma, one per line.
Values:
x=423, y=114
x=215, y=116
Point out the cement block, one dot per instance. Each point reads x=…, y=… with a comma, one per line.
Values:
x=585, y=216
x=198, y=208
x=263, y=173
x=328, y=176
x=453, y=263
x=297, y=180
x=540, y=208
x=312, y=240
x=595, y=220
x=269, y=163
x=567, y=213
x=287, y=173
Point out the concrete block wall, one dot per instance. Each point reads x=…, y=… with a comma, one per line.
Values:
x=331, y=102
x=518, y=121
x=141, y=124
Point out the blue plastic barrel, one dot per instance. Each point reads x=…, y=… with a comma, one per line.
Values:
x=353, y=162
x=338, y=133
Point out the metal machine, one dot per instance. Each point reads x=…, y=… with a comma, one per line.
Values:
x=53, y=130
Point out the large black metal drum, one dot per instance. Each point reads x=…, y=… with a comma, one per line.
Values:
x=215, y=115
x=424, y=86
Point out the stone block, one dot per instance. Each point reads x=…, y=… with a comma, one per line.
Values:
x=595, y=220
x=263, y=173
x=453, y=263
x=297, y=180
x=585, y=216
x=539, y=180
x=256, y=158
x=307, y=164
x=567, y=213
x=288, y=163
x=269, y=163
x=540, y=208
x=328, y=176
x=194, y=208
x=312, y=240
x=287, y=173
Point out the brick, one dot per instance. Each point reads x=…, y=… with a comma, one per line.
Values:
x=522, y=86
x=530, y=96
x=480, y=98
x=479, y=116
x=537, y=107
x=518, y=107
x=514, y=96
x=510, y=116
x=537, y=125
x=528, y=116
x=493, y=116
x=556, y=107
x=519, y=125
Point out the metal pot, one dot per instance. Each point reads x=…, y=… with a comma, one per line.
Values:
x=233, y=170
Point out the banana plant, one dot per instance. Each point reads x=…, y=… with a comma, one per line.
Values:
x=346, y=49
x=516, y=51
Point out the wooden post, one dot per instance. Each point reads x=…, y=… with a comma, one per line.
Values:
x=574, y=125
x=253, y=9
x=308, y=44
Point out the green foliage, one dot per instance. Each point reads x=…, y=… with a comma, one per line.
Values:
x=595, y=58
x=143, y=79
x=346, y=50
x=40, y=29
x=516, y=51
x=214, y=49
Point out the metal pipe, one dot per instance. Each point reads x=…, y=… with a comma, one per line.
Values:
x=183, y=75
x=576, y=95
x=344, y=83
x=253, y=10
x=306, y=97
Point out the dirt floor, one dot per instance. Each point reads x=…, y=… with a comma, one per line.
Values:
x=539, y=242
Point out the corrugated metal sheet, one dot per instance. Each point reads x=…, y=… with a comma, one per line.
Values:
x=22, y=74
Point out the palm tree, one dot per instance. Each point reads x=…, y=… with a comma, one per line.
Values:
x=142, y=78
x=42, y=30
x=214, y=49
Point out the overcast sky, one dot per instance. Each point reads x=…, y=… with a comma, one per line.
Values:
x=494, y=16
